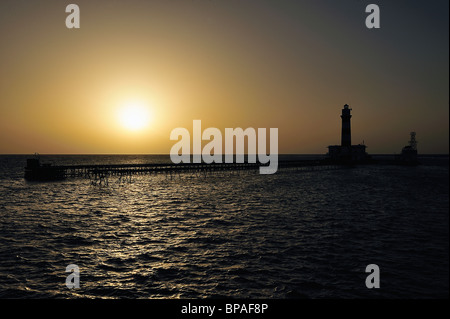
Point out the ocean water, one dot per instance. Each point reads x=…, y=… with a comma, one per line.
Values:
x=294, y=234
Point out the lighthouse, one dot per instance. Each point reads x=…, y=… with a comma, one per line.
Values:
x=346, y=152
x=346, y=135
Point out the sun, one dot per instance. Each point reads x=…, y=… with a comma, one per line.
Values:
x=134, y=116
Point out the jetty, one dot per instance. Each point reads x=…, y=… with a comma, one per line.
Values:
x=35, y=171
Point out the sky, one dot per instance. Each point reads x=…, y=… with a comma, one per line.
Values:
x=136, y=70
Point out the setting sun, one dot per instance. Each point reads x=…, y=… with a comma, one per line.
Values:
x=134, y=116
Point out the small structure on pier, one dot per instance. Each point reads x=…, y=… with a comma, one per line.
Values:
x=45, y=172
x=346, y=152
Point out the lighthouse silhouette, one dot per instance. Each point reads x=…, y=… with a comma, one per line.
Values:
x=346, y=152
x=346, y=135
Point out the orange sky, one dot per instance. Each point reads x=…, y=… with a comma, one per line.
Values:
x=285, y=64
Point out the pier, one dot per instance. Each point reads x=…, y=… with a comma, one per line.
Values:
x=35, y=171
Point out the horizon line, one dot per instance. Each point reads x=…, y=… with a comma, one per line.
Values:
x=168, y=154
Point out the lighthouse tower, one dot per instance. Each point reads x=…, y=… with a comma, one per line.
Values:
x=346, y=135
x=346, y=152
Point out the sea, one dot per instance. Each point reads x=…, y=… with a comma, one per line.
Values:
x=292, y=235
